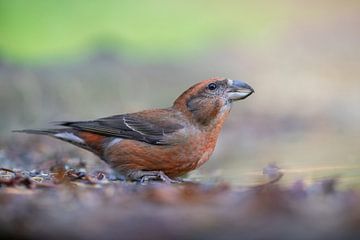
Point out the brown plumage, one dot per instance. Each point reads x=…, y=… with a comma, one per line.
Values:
x=159, y=143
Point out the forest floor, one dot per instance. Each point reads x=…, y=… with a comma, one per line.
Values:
x=66, y=199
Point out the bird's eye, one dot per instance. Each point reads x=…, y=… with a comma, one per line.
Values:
x=212, y=86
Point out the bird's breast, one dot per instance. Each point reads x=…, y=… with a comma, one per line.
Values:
x=189, y=150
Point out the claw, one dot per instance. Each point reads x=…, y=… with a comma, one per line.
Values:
x=147, y=176
x=166, y=179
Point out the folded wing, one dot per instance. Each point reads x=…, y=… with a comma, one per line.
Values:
x=141, y=127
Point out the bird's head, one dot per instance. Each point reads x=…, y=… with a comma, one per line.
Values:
x=209, y=99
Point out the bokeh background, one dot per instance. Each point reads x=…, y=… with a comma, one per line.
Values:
x=78, y=60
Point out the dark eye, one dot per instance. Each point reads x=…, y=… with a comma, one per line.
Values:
x=212, y=86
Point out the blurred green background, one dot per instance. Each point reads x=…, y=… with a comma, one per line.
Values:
x=77, y=60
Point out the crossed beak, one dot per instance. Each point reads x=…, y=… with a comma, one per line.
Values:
x=238, y=90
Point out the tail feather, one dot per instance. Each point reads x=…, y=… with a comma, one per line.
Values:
x=65, y=134
x=73, y=136
x=40, y=131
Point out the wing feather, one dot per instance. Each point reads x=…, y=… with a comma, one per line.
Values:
x=141, y=127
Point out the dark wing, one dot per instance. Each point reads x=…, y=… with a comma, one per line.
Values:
x=129, y=126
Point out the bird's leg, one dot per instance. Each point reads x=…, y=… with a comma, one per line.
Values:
x=166, y=179
x=146, y=176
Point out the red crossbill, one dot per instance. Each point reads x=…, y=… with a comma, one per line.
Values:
x=159, y=144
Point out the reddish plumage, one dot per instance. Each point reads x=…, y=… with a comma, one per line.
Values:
x=154, y=144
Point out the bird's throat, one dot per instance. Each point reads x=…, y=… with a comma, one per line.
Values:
x=206, y=113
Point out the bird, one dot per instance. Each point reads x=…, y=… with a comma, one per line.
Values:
x=158, y=144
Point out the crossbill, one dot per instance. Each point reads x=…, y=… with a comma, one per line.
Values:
x=158, y=144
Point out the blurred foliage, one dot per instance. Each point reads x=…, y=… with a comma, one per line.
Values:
x=40, y=29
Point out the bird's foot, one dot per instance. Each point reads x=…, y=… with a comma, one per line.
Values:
x=148, y=176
